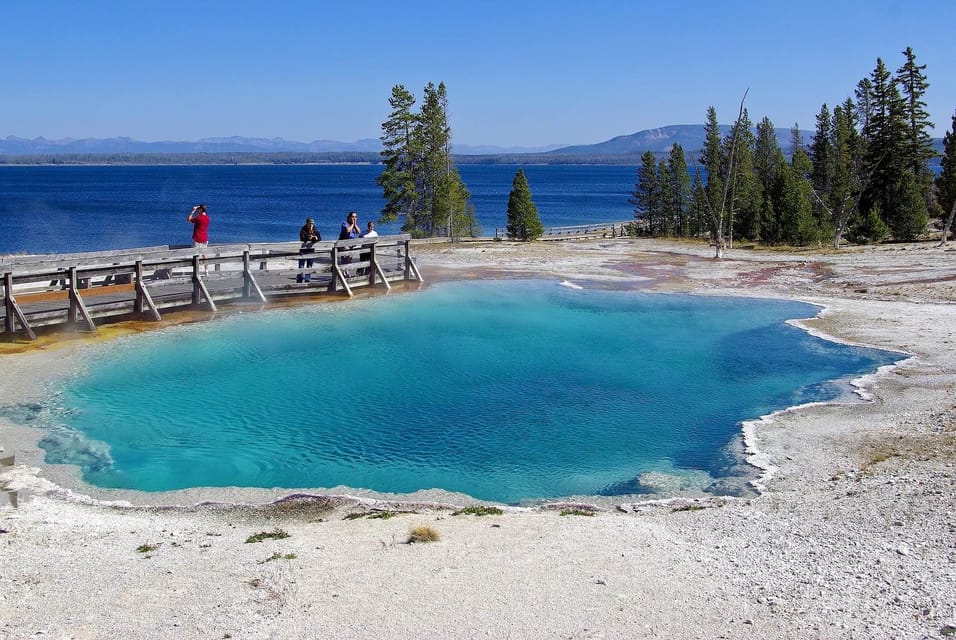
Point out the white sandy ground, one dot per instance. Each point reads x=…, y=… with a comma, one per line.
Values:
x=854, y=535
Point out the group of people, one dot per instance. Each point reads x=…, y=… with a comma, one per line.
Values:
x=308, y=234
x=351, y=228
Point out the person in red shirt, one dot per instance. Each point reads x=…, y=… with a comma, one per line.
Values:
x=200, y=222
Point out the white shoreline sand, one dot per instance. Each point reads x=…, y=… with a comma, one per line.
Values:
x=854, y=535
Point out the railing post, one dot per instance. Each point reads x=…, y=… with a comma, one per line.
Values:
x=246, y=285
x=138, y=304
x=197, y=292
x=371, y=265
x=335, y=268
x=8, y=323
x=71, y=316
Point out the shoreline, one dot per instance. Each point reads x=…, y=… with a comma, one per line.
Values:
x=851, y=536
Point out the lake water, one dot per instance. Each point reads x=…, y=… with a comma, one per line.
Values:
x=511, y=391
x=87, y=208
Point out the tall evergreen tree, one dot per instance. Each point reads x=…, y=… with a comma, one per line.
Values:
x=883, y=135
x=646, y=197
x=712, y=158
x=400, y=156
x=523, y=220
x=744, y=198
x=678, y=179
x=821, y=152
x=846, y=182
x=917, y=143
x=767, y=160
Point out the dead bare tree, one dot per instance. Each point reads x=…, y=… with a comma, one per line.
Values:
x=717, y=218
x=841, y=217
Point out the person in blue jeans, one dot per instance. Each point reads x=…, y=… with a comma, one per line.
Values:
x=309, y=235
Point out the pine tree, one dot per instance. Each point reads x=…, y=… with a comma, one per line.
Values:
x=420, y=179
x=744, y=218
x=679, y=189
x=845, y=183
x=917, y=144
x=646, y=195
x=767, y=160
x=884, y=134
x=523, y=221
x=712, y=157
x=821, y=153
x=792, y=198
x=910, y=219
x=400, y=157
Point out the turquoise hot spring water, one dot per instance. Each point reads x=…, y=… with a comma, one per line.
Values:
x=512, y=391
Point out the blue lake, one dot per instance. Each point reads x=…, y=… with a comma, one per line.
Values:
x=510, y=391
x=88, y=208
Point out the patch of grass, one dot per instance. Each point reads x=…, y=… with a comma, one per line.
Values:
x=688, y=507
x=576, y=512
x=423, y=533
x=382, y=515
x=354, y=516
x=147, y=548
x=279, y=556
x=478, y=510
x=275, y=534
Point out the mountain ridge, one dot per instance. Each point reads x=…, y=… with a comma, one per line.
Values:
x=658, y=140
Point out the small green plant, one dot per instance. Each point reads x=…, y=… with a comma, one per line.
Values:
x=279, y=556
x=576, y=512
x=354, y=516
x=688, y=507
x=147, y=548
x=382, y=515
x=423, y=533
x=275, y=534
x=478, y=510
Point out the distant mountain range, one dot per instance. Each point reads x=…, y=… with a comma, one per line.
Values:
x=658, y=141
x=12, y=145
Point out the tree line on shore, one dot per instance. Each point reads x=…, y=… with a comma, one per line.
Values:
x=865, y=175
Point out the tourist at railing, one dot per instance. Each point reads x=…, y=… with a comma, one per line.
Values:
x=350, y=228
x=309, y=235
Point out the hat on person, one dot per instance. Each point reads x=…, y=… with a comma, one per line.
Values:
x=309, y=221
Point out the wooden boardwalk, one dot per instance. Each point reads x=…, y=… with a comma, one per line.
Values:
x=577, y=231
x=83, y=289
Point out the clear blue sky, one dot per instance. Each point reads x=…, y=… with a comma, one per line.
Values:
x=518, y=73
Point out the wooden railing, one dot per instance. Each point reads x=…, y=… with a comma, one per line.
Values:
x=76, y=288
x=577, y=231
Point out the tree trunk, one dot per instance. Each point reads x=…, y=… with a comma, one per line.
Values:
x=949, y=223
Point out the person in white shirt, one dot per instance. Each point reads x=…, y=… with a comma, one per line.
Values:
x=370, y=231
